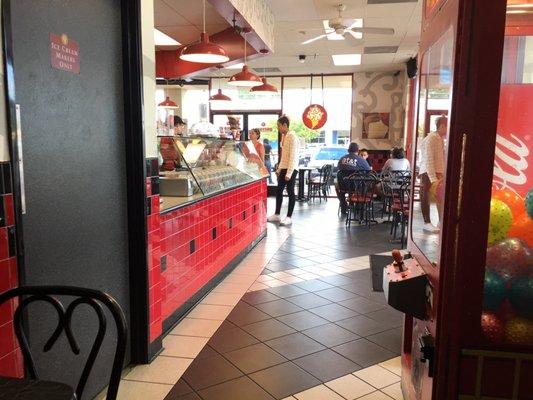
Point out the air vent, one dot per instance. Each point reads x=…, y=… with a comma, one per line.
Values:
x=390, y=1
x=380, y=49
x=266, y=70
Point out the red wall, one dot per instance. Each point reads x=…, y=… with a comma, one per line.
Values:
x=11, y=363
x=185, y=254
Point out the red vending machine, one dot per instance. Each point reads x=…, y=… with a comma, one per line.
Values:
x=467, y=291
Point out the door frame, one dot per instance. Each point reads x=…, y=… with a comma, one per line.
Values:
x=135, y=166
x=469, y=172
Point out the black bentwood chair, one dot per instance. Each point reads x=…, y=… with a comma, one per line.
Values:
x=92, y=298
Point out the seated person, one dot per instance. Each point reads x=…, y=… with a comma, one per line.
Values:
x=364, y=153
x=397, y=162
x=348, y=164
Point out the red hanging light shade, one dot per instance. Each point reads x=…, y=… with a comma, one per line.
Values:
x=245, y=78
x=265, y=87
x=219, y=96
x=205, y=51
x=168, y=103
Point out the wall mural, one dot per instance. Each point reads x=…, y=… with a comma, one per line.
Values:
x=379, y=94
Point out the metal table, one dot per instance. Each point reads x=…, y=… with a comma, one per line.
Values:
x=301, y=182
x=26, y=389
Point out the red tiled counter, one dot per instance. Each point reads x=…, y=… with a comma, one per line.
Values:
x=192, y=247
x=11, y=363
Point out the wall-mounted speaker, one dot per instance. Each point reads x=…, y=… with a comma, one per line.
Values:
x=412, y=67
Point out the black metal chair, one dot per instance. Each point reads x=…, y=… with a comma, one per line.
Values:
x=92, y=298
x=401, y=200
x=319, y=187
x=361, y=196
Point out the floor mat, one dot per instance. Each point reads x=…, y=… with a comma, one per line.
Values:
x=377, y=263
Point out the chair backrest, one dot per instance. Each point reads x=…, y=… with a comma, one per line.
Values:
x=363, y=184
x=325, y=173
x=92, y=298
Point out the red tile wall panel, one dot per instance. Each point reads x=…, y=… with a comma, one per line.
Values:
x=191, y=245
x=11, y=363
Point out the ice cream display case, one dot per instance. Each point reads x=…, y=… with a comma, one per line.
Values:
x=195, y=167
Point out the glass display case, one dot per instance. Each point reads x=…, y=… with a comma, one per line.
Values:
x=194, y=167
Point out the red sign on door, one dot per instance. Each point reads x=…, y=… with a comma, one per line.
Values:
x=64, y=53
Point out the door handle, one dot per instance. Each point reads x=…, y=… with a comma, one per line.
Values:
x=20, y=159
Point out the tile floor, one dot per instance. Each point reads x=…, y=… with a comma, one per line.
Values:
x=296, y=319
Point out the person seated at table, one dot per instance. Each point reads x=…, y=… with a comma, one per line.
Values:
x=397, y=162
x=348, y=164
x=364, y=153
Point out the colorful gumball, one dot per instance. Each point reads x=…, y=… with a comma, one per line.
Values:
x=494, y=291
x=492, y=327
x=522, y=228
x=528, y=202
x=519, y=330
x=510, y=258
x=501, y=219
x=513, y=200
x=521, y=296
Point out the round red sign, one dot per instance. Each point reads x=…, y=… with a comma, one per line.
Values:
x=314, y=116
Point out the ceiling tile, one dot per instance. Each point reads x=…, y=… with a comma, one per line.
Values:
x=293, y=10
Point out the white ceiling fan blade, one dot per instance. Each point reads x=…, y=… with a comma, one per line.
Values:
x=314, y=39
x=376, y=31
x=350, y=38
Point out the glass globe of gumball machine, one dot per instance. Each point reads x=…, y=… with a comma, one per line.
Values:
x=165, y=117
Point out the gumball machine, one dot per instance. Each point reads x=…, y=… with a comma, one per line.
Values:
x=469, y=332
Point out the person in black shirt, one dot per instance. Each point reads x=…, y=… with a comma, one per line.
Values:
x=268, y=162
x=348, y=164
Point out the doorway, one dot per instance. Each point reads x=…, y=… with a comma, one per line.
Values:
x=72, y=170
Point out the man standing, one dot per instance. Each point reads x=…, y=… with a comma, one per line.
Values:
x=432, y=169
x=287, y=171
x=348, y=164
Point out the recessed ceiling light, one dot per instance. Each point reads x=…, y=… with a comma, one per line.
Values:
x=236, y=66
x=346, y=59
x=162, y=39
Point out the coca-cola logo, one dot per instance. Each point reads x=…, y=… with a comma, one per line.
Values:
x=510, y=163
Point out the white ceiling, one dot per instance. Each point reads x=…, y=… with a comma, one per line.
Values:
x=181, y=19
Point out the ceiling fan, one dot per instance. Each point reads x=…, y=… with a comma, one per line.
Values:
x=343, y=26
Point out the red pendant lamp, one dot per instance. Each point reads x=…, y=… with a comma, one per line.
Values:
x=167, y=103
x=219, y=96
x=245, y=78
x=265, y=87
x=205, y=51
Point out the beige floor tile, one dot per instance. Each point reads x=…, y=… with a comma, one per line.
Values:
x=296, y=271
x=350, y=387
x=242, y=279
x=274, y=283
x=356, y=267
x=289, y=398
x=264, y=278
x=130, y=390
x=258, y=286
x=196, y=327
x=394, y=365
x=377, y=376
x=394, y=391
x=375, y=396
x=226, y=287
x=163, y=369
x=291, y=279
x=223, y=299
x=279, y=275
x=183, y=346
x=325, y=272
x=308, y=276
x=210, y=311
x=320, y=392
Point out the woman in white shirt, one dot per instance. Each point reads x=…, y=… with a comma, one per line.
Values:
x=398, y=162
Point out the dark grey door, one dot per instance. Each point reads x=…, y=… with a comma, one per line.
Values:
x=75, y=225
